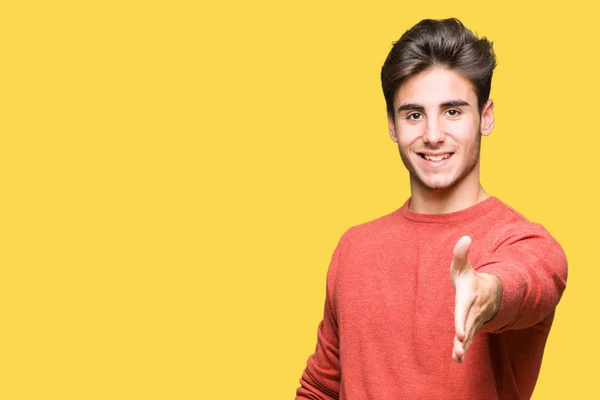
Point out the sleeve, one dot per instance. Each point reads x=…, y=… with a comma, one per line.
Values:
x=321, y=377
x=533, y=270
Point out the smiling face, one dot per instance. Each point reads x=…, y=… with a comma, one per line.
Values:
x=438, y=130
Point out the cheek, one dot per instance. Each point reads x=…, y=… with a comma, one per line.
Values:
x=405, y=145
x=461, y=127
x=465, y=131
x=408, y=135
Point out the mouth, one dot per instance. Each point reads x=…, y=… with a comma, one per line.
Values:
x=437, y=158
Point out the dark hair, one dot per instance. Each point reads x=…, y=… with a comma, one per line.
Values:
x=446, y=43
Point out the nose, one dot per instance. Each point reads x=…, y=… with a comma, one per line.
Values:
x=434, y=132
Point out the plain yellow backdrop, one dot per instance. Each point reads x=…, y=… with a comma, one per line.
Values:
x=175, y=176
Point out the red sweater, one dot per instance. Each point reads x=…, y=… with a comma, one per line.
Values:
x=387, y=330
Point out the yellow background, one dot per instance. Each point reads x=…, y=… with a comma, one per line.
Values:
x=175, y=176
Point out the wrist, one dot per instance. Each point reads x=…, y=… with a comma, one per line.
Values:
x=492, y=291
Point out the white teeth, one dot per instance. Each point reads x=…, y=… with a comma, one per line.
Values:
x=436, y=158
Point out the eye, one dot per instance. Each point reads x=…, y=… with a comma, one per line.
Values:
x=414, y=116
x=453, y=112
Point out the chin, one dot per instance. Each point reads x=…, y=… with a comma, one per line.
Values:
x=436, y=184
x=437, y=187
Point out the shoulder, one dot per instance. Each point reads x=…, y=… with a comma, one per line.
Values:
x=508, y=228
x=507, y=221
x=373, y=230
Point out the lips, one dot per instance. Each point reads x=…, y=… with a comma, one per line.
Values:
x=435, y=157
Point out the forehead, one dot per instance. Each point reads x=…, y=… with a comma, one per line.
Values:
x=435, y=86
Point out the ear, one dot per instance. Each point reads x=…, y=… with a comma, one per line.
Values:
x=487, y=118
x=392, y=127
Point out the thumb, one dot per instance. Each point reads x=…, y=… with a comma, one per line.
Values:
x=464, y=300
x=461, y=253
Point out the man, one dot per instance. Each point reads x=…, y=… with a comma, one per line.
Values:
x=396, y=325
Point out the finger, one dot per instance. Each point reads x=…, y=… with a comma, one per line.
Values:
x=472, y=326
x=466, y=345
x=461, y=252
x=464, y=302
x=458, y=352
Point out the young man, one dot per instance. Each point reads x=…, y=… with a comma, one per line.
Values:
x=396, y=324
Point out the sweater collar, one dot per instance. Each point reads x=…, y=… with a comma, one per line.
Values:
x=479, y=209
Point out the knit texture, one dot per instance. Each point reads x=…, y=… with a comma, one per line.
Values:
x=388, y=328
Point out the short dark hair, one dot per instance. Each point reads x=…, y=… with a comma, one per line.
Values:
x=445, y=43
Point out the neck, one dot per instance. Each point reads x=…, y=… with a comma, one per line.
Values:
x=462, y=195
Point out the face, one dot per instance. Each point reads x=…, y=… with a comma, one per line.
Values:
x=438, y=129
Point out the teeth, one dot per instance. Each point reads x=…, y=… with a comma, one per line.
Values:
x=436, y=158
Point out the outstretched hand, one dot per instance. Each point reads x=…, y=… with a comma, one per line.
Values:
x=478, y=298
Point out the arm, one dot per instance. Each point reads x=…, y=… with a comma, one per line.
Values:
x=532, y=269
x=321, y=378
x=517, y=286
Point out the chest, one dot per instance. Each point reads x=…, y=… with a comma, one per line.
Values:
x=400, y=282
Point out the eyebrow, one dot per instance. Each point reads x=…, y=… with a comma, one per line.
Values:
x=411, y=106
x=418, y=107
x=455, y=103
